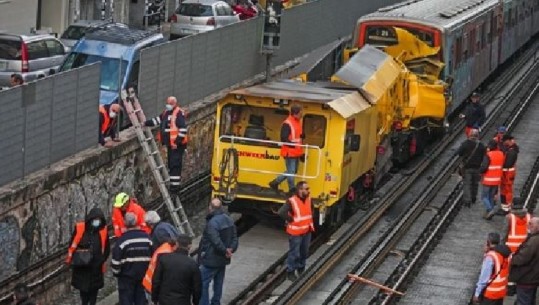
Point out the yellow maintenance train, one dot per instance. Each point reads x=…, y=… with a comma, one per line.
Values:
x=352, y=126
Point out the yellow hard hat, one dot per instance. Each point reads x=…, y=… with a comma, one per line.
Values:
x=120, y=200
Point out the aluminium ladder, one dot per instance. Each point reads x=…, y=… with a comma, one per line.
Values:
x=158, y=168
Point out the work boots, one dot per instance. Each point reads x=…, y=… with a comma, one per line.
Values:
x=291, y=276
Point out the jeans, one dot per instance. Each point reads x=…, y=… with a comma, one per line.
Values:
x=88, y=297
x=291, y=169
x=298, y=252
x=488, y=196
x=526, y=295
x=131, y=291
x=471, y=184
x=218, y=276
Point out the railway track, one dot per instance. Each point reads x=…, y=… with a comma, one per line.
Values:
x=52, y=271
x=261, y=288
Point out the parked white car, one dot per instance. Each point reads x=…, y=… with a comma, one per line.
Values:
x=197, y=16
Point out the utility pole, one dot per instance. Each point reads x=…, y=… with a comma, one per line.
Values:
x=272, y=32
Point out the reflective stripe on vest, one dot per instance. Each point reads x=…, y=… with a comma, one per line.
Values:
x=106, y=119
x=147, y=280
x=80, y=227
x=302, y=216
x=517, y=233
x=498, y=286
x=493, y=176
x=118, y=218
x=294, y=137
x=512, y=169
x=174, y=131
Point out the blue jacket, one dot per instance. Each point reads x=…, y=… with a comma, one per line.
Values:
x=219, y=234
x=131, y=255
x=162, y=232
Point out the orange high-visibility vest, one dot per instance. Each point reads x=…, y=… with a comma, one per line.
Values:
x=498, y=286
x=302, y=216
x=147, y=280
x=79, y=232
x=106, y=121
x=518, y=231
x=174, y=130
x=296, y=130
x=493, y=175
x=118, y=218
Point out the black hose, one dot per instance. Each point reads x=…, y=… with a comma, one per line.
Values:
x=228, y=171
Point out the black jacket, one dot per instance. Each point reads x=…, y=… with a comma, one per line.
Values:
x=111, y=131
x=90, y=278
x=219, y=234
x=466, y=149
x=26, y=302
x=163, y=121
x=161, y=232
x=511, y=155
x=176, y=280
x=525, y=262
x=131, y=255
x=474, y=115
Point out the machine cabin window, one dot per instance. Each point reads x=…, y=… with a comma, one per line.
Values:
x=314, y=129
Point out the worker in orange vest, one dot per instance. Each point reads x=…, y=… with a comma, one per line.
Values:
x=516, y=225
x=298, y=214
x=167, y=247
x=509, y=171
x=492, y=283
x=492, y=177
x=108, y=118
x=173, y=134
x=122, y=205
x=90, y=236
x=291, y=151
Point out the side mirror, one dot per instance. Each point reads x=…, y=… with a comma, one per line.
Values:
x=52, y=71
x=354, y=142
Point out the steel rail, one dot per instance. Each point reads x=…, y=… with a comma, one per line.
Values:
x=337, y=251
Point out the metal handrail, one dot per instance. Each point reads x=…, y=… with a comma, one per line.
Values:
x=233, y=140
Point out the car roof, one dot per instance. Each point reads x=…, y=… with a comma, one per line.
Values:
x=204, y=2
x=119, y=34
x=27, y=37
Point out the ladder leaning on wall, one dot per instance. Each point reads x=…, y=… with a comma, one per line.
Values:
x=157, y=166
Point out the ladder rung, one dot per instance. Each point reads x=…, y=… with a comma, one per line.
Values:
x=137, y=110
x=148, y=139
x=155, y=152
x=159, y=167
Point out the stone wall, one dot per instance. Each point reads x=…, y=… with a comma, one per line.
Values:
x=37, y=215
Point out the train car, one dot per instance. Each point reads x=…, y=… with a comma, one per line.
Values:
x=474, y=36
x=345, y=128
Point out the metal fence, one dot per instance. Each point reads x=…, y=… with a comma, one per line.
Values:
x=47, y=120
x=198, y=66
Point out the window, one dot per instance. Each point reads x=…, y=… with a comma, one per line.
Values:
x=314, y=129
x=37, y=50
x=74, y=32
x=350, y=128
x=55, y=48
x=133, y=75
x=465, y=47
x=484, y=34
x=228, y=10
x=10, y=49
x=472, y=43
x=459, y=52
x=220, y=10
x=110, y=68
x=195, y=10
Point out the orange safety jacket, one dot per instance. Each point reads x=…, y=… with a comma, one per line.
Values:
x=518, y=231
x=176, y=132
x=302, y=216
x=147, y=280
x=497, y=288
x=80, y=227
x=106, y=119
x=289, y=150
x=118, y=218
x=493, y=175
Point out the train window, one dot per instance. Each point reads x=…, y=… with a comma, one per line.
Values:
x=489, y=27
x=380, y=36
x=459, y=52
x=314, y=129
x=471, y=43
x=465, y=46
x=483, y=35
x=257, y=123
